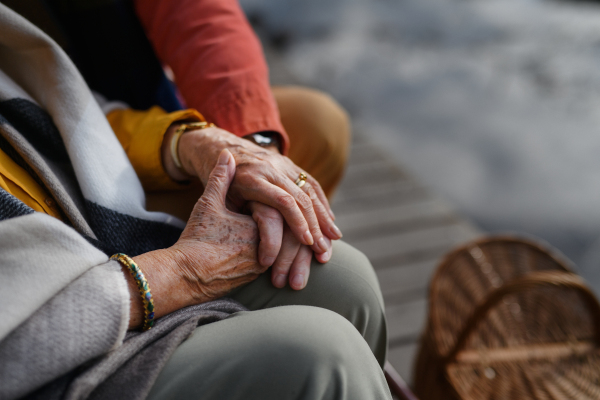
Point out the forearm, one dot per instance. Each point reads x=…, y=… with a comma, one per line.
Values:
x=169, y=290
x=217, y=59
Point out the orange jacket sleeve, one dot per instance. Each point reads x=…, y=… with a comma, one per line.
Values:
x=217, y=60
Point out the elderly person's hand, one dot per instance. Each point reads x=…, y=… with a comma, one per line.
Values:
x=292, y=258
x=215, y=254
x=266, y=177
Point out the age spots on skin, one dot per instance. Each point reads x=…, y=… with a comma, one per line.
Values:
x=224, y=239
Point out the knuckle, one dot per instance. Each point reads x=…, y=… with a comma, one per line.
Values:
x=204, y=204
x=285, y=201
x=270, y=217
x=220, y=172
x=304, y=201
x=245, y=173
x=281, y=269
x=284, y=262
x=265, y=217
x=313, y=195
x=271, y=213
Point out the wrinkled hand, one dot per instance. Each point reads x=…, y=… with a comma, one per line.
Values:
x=266, y=177
x=278, y=247
x=218, y=247
x=216, y=253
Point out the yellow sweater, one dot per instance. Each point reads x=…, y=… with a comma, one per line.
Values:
x=140, y=133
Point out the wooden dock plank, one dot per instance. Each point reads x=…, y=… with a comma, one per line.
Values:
x=399, y=214
x=377, y=196
x=416, y=239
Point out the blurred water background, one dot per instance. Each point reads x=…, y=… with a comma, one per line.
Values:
x=493, y=104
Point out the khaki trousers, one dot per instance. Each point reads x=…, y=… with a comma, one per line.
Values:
x=317, y=343
x=327, y=341
x=319, y=132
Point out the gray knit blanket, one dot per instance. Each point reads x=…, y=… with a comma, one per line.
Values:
x=64, y=305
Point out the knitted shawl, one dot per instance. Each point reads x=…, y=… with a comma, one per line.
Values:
x=64, y=305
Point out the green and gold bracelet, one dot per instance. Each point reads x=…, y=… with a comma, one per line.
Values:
x=142, y=283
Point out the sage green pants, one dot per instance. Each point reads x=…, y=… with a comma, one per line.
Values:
x=327, y=341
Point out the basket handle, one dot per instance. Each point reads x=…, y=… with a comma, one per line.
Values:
x=527, y=282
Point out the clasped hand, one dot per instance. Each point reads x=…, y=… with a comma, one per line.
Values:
x=215, y=253
x=292, y=222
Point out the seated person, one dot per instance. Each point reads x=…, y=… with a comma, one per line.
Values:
x=70, y=313
x=218, y=64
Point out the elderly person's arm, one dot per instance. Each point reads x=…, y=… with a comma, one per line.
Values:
x=64, y=303
x=217, y=61
x=215, y=254
x=146, y=137
x=221, y=71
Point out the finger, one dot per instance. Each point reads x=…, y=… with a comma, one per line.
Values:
x=220, y=178
x=270, y=227
x=285, y=258
x=323, y=258
x=321, y=194
x=305, y=204
x=325, y=221
x=285, y=203
x=301, y=268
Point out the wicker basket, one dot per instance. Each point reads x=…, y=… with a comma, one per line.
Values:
x=509, y=320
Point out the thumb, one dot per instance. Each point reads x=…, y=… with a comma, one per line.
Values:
x=220, y=178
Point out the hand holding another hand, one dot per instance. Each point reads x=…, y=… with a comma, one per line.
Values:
x=277, y=242
x=216, y=253
x=265, y=177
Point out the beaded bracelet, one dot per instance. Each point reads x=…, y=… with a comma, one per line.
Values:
x=142, y=284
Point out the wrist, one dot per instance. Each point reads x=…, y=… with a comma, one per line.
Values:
x=174, y=172
x=199, y=149
x=136, y=305
x=166, y=285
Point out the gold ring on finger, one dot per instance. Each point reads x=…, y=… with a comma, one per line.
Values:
x=301, y=180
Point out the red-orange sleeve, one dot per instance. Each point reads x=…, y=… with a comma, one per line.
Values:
x=217, y=60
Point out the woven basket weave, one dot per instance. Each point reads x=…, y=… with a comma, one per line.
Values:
x=509, y=320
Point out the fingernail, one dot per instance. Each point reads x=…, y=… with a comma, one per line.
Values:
x=280, y=280
x=224, y=157
x=326, y=256
x=336, y=231
x=308, y=238
x=323, y=245
x=268, y=261
x=298, y=281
